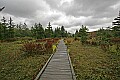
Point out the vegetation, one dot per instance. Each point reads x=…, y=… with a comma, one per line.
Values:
x=83, y=34
x=22, y=60
x=92, y=63
x=16, y=66
x=24, y=50
x=10, y=30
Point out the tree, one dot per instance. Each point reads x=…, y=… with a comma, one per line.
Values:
x=104, y=35
x=10, y=28
x=38, y=31
x=49, y=31
x=19, y=30
x=57, y=32
x=1, y=31
x=62, y=31
x=2, y=8
x=116, y=31
x=76, y=33
x=4, y=29
x=83, y=34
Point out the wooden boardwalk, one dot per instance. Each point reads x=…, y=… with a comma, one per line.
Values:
x=59, y=67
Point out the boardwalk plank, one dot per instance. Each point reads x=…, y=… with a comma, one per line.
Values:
x=59, y=66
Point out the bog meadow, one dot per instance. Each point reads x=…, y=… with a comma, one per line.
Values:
x=25, y=49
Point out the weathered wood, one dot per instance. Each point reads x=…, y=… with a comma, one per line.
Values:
x=59, y=67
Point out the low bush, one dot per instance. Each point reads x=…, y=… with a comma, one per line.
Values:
x=76, y=39
x=40, y=46
x=11, y=39
x=48, y=46
x=33, y=48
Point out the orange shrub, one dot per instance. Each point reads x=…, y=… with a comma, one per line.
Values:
x=33, y=48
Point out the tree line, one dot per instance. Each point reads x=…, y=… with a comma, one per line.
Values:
x=102, y=35
x=8, y=30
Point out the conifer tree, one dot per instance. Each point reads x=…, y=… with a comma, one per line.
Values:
x=49, y=31
x=76, y=33
x=62, y=31
x=3, y=27
x=83, y=34
x=10, y=28
x=38, y=31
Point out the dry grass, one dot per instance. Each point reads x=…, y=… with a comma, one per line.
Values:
x=92, y=63
x=14, y=65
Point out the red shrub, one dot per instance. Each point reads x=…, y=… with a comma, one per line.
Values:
x=55, y=40
x=115, y=40
x=31, y=47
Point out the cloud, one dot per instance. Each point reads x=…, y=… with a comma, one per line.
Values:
x=89, y=7
x=24, y=8
x=70, y=13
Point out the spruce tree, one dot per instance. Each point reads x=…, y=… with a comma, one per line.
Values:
x=10, y=28
x=62, y=31
x=76, y=33
x=49, y=31
x=83, y=34
x=40, y=31
x=4, y=30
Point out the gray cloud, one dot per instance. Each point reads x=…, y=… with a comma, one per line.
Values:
x=70, y=13
x=23, y=8
x=90, y=7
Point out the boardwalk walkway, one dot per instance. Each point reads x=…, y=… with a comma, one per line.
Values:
x=59, y=67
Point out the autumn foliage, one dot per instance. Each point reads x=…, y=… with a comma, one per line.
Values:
x=40, y=46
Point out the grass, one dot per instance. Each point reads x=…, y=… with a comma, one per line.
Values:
x=92, y=63
x=14, y=65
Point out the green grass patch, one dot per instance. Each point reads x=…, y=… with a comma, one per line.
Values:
x=92, y=63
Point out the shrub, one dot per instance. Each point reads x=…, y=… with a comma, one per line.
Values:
x=48, y=46
x=11, y=39
x=33, y=48
x=76, y=39
x=54, y=48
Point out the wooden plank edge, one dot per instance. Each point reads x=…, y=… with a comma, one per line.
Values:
x=71, y=66
x=43, y=69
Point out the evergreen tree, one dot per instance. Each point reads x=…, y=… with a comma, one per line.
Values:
x=19, y=31
x=104, y=35
x=49, y=31
x=76, y=33
x=11, y=29
x=1, y=31
x=38, y=31
x=25, y=31
x=62, y=31
x=83, y=34
x=3, y=27
x=116, y=31
x=57, y=32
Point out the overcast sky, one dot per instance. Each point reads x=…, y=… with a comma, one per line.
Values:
x=71, y=13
